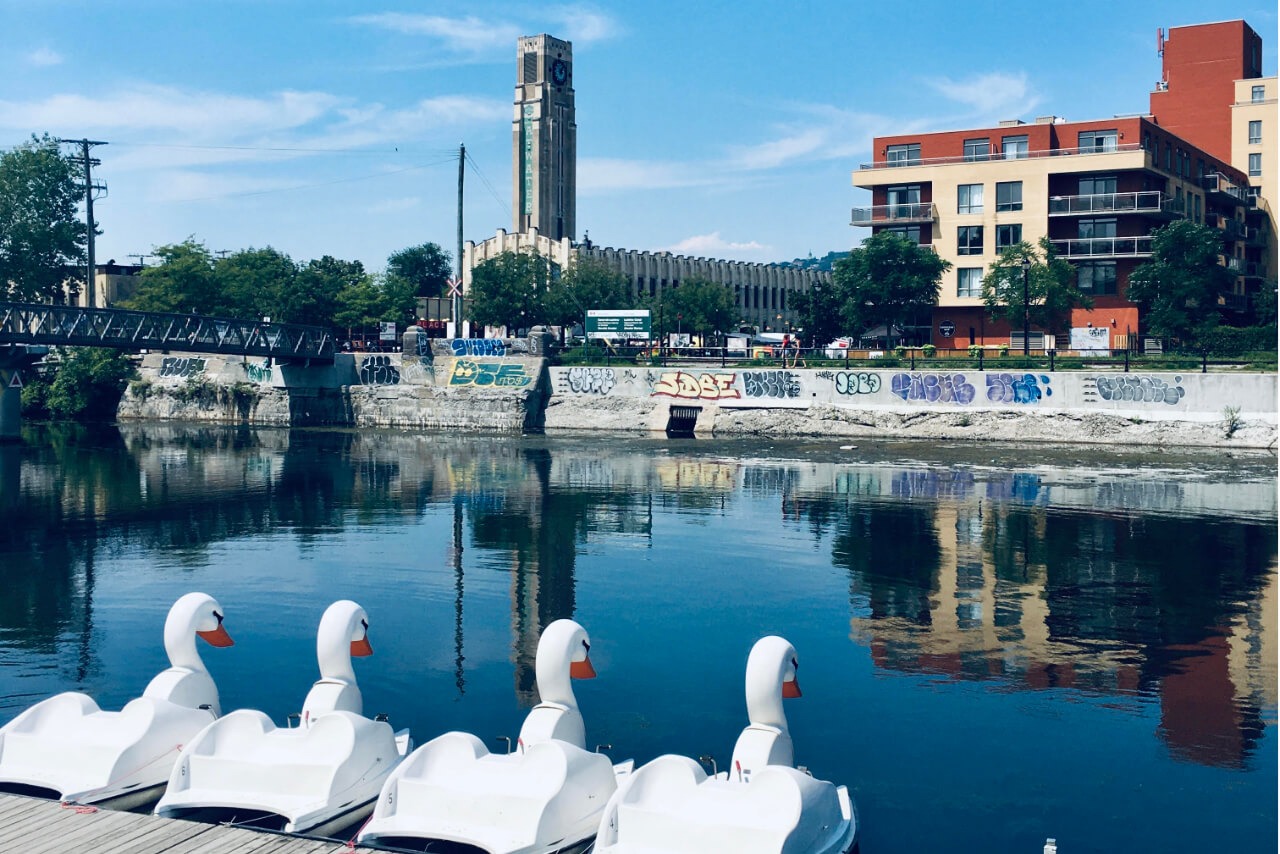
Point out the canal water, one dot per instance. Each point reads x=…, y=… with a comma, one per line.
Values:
x=997, y=644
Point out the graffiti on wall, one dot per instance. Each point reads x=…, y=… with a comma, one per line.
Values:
x=699, y=386
x=771, y=384
x=468, y=372
x=378, y=370
x=478, y=347
x=933, y=388
x=258, y=373
x=1017, y=388
x=424, y=347
x=1136, y=388
x=589, y=380
x=417, y=372
x=181, y=366
x=856, y=382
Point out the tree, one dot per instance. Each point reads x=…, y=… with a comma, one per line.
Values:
x=697, y=306
x=587, y=284
x=510, y=290
x=182, y=282
x=360, y=304
x=1178, y=288
x=41, y=239
x=312, y=295
x=818, y=312
x=398, y=300
x=1051, y=287
x=249, y=283
x=88, y=383
x=888, y=280
x=426, y=268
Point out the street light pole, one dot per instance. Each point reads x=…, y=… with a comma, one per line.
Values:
x=1026, y=308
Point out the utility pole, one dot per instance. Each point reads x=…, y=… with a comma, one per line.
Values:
x=457, y=295
x=88, y=162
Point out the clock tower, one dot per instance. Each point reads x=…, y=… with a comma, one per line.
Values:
x=545, y=138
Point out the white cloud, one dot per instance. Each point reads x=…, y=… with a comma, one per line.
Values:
x=991, y=94
x=43, y=57
x=713, y=245
x=582, y=25
x=770, y=155
x=463, y=35
x=604, y=175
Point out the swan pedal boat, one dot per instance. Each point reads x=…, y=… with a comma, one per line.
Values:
x=69, y=748
x=545, y=796
x=761, y=805
x=318, y=777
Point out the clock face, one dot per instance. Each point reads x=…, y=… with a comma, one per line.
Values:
x=559, y=72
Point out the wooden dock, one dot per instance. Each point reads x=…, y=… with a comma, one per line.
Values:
x=34, y=826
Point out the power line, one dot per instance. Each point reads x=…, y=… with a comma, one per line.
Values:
x=476, y=168
x=290, y=149
x=88, y=162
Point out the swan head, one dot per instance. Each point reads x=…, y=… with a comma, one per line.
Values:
x=343, y=634
x=564, y=653
x=193, y=615
x=771, y=677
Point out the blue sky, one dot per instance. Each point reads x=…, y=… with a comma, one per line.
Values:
x=727, y=130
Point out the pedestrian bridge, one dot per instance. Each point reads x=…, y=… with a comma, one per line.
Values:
x=56, y=325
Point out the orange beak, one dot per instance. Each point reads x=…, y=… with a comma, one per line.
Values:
x=217, y=637
x=362, y=647
x=791, y=690
x=582, y=669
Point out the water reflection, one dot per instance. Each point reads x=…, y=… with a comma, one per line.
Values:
x=1109, y=584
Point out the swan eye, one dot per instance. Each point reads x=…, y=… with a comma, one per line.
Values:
x=587, y=646
x=219, y=616
x=795, y=665
x=365, y=623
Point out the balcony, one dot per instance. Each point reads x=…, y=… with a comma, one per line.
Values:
x=1218, y=187
x=1233, y=229
x=1104, y=247
x=1151, y=202
x=894, y=214
x=999, y=157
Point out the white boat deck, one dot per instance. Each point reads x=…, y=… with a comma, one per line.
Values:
x=34, y=826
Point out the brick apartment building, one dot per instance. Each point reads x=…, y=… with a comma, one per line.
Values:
x=1097, y=189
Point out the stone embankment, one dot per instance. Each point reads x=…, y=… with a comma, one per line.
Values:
x=507, y=386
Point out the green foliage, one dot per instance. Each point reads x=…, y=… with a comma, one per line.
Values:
x=1178, y=288
x=1233, y=342
x=1231, y=421
x=697, y=306
x=360, y=304
x=182, y=282
x=587, y=284
x=311, y=296
x=88, y=383
x=249, y=283
x=929, y=351
x=398, y=300
x=424, y=269
x=510, y=290
x=1051, y=289
x=974, y=351
x=818, y=312
x=41, y=235
x=888, y=281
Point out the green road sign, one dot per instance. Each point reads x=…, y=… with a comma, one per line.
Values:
x=617, y=323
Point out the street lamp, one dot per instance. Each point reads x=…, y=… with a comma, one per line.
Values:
x=1026, y=307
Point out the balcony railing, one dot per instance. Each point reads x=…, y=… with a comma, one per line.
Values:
x=1216, y=182
x=1104, y=247
x=1000, y=157
x=1147, y=201
x=1233, y=229
x=887, y=214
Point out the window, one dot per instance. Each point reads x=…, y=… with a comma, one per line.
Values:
x=1096, y=277
x=977, y=149
x=908, y=232
x=904, y=200
x=903, y=155
x=1098, y=140
x=1098, y=185
x=1168, y=157
x=1091, y=228
x=1255, y=132
x=1195, y=211
x=1009, y=196
x=1255, y=165
x=969, y=282
x=1014, y=147
x=970, y=199
x=1007, y=235
x=1259, y=93
x=969, y=240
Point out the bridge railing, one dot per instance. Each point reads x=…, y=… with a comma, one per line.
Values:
x=23, y=323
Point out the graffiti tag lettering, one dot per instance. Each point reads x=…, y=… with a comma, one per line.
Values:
x=857, y=382
x=467, y=372
x=417, y=372
x=478, y=347
x=1009, y=388
x=701, y=386
x=590, y=380
x=258, y=373
x=933, y=388
x=771, y=384
x=378, y=370
x=178, y=366
x=1140, y=389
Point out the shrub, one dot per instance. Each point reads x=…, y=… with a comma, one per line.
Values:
x=900, y=351
x=1233, y=342
x=1231, y=421
x=1004, y=349
x=88, y=383
x=929, y=351
x=974, y=351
